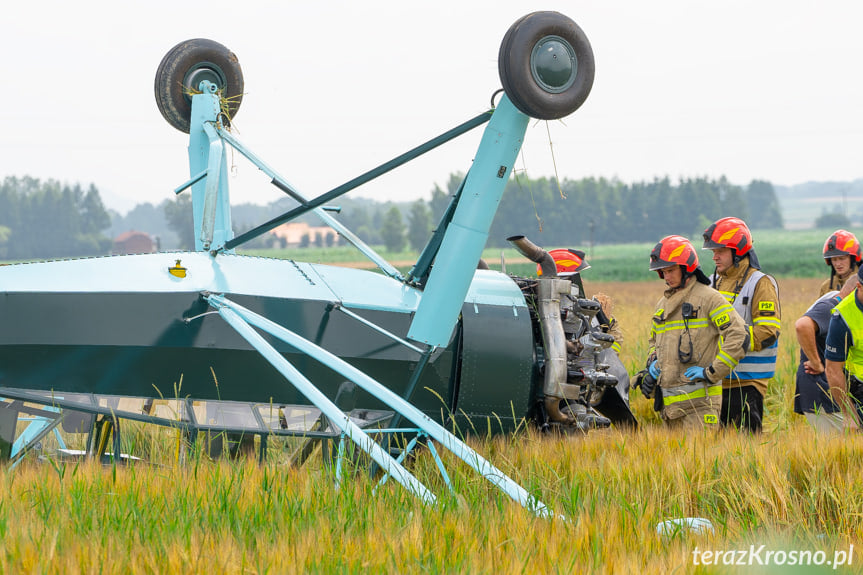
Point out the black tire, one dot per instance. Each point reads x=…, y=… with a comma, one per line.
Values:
x=546, y=65
x=183, y=68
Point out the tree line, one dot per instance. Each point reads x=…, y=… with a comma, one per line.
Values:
x=49, y=219
x=588, y=211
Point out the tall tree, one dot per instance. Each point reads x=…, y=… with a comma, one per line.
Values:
x=763, y=205
x=440, y=199
x=359, y=221
x=180, y=220
x=731, y=200
x=10, y=204
x=393, y=230
x=438, y=203
x=419, y=225
x=94, y=217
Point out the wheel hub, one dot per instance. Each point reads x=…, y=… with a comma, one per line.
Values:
x=553, y=64
x=203, y=71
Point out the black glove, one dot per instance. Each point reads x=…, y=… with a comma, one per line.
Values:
x=645, y=382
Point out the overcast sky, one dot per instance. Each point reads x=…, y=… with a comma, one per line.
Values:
x=763, y=89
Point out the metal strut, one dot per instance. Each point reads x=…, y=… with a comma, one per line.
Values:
x=359, y=180
x=281, y=183
x=335, y=415
x=237, y=316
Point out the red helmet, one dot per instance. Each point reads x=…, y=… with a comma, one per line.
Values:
x=673, y=250
x=729, y=233
x=567, y=261
x=842, y=243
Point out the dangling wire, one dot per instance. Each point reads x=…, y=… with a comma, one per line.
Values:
x=554, y=161
x=529, y=188
x=684, y=356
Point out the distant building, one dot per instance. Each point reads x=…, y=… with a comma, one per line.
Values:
x=133, y=242
x=291, y=234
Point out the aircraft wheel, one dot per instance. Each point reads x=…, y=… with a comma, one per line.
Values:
x=182, y=70
x=546, y=65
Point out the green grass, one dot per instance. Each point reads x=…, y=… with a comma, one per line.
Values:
x=609, y=490
x=786, y=489
x=782, y=253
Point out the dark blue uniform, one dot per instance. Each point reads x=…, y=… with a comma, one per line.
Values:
x=812, y=392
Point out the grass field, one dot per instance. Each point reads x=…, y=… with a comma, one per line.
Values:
x=788, y=489
x=783, y=253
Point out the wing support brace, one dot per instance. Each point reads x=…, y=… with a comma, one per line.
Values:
x=242, y=320
x=335, y=415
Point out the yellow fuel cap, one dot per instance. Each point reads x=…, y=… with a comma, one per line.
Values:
x=178, y=270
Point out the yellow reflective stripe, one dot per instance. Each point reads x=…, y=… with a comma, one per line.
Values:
x=616, y=347
x=729, y=295
x=664, y=329
x=727, y=359
x=711, y=391
x=768, y=321
x=751, y=339
x=678, y=324
x=724, y=308
x=724, y=357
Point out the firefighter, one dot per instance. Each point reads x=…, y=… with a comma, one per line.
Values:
x=842, y=254
x=843, y=355
x=755, y=296
x=695, y=341
x=570, y=263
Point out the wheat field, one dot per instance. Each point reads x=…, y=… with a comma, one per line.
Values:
x=786, y=491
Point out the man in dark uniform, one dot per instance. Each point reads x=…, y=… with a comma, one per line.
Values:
x=812, y=392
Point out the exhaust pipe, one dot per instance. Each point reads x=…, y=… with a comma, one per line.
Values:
x=549, y=291
x=555, y=386
x=535, y=254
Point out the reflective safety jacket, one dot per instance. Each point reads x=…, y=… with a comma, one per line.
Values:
x=853, y=317
x=755, y=296
x=710, y=336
